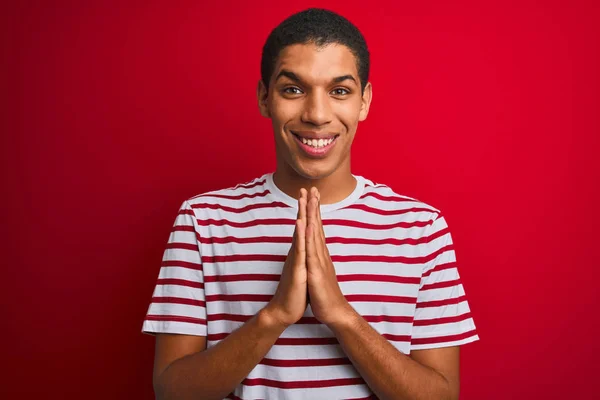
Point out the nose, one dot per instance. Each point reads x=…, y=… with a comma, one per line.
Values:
x=317, y=110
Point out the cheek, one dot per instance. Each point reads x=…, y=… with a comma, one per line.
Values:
x=283, y=112
x=348, y=116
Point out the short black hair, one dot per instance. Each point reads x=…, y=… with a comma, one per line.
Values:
x=320, y=27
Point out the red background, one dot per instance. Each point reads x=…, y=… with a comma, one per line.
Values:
x=114, y=114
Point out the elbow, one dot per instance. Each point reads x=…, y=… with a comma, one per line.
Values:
x=161, y=389
x=452, y=391
x=449, y=389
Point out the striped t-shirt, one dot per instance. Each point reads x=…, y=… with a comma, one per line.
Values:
x=394, y=260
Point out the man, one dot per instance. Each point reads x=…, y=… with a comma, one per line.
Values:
x=309, y=283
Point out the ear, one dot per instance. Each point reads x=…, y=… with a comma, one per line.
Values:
x=366, y=102
x=262, y=95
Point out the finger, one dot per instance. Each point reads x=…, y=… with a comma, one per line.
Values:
x=300, y=242
x=301, y=216
x=294, y=236
x=321, y=230
x=321, y=246
x=319, y=237
x=311, y=210
x=299, y=209
x=302, y=201
x=314, y=192
x=311, y=252
x=309, y=207
x=312, y=258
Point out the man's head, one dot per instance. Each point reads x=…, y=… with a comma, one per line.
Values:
x=319, y=27
x=315, y=70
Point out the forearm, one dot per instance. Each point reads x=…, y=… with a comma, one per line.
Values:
x=214, y=373
x=388, y=372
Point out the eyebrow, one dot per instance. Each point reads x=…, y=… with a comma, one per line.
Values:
x=295, y=78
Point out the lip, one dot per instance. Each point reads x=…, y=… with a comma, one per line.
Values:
x=316, y=152
x=314, y=135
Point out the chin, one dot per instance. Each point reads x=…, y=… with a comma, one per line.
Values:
x=314, y=169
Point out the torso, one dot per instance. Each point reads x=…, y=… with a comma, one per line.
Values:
x=375, y=238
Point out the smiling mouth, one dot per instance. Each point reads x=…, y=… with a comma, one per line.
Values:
x=315, y=147
x=316, y=143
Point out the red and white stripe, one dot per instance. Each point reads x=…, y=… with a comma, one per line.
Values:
x=394, y=259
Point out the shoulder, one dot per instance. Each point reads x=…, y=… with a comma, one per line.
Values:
x=382, y=196
x=242, y=193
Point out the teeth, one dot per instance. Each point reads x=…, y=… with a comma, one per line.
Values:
x=317, y=143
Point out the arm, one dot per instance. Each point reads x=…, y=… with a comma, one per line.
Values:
x=185, y=369
x=428, y=374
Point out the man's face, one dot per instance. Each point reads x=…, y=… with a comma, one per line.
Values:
x=315, y=104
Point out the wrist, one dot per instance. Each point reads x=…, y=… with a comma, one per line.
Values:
x=345, y=318
x=270, y=318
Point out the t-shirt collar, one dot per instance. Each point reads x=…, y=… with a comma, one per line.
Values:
x=279, y=195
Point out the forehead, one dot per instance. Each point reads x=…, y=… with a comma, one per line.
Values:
x=315, y=63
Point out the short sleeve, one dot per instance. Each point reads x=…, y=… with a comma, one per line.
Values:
x=442, y=316
x=178, y=303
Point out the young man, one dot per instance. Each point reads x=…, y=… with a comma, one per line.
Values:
x=309, y=283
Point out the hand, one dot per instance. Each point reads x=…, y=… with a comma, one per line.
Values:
x=327, y=301
x=289, y=302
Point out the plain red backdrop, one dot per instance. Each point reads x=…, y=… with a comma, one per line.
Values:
x=114, y=114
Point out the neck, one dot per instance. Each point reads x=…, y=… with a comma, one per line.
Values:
x=333, y=188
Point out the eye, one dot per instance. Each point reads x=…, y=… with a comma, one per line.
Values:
x=340, y=92
x=292, y=90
